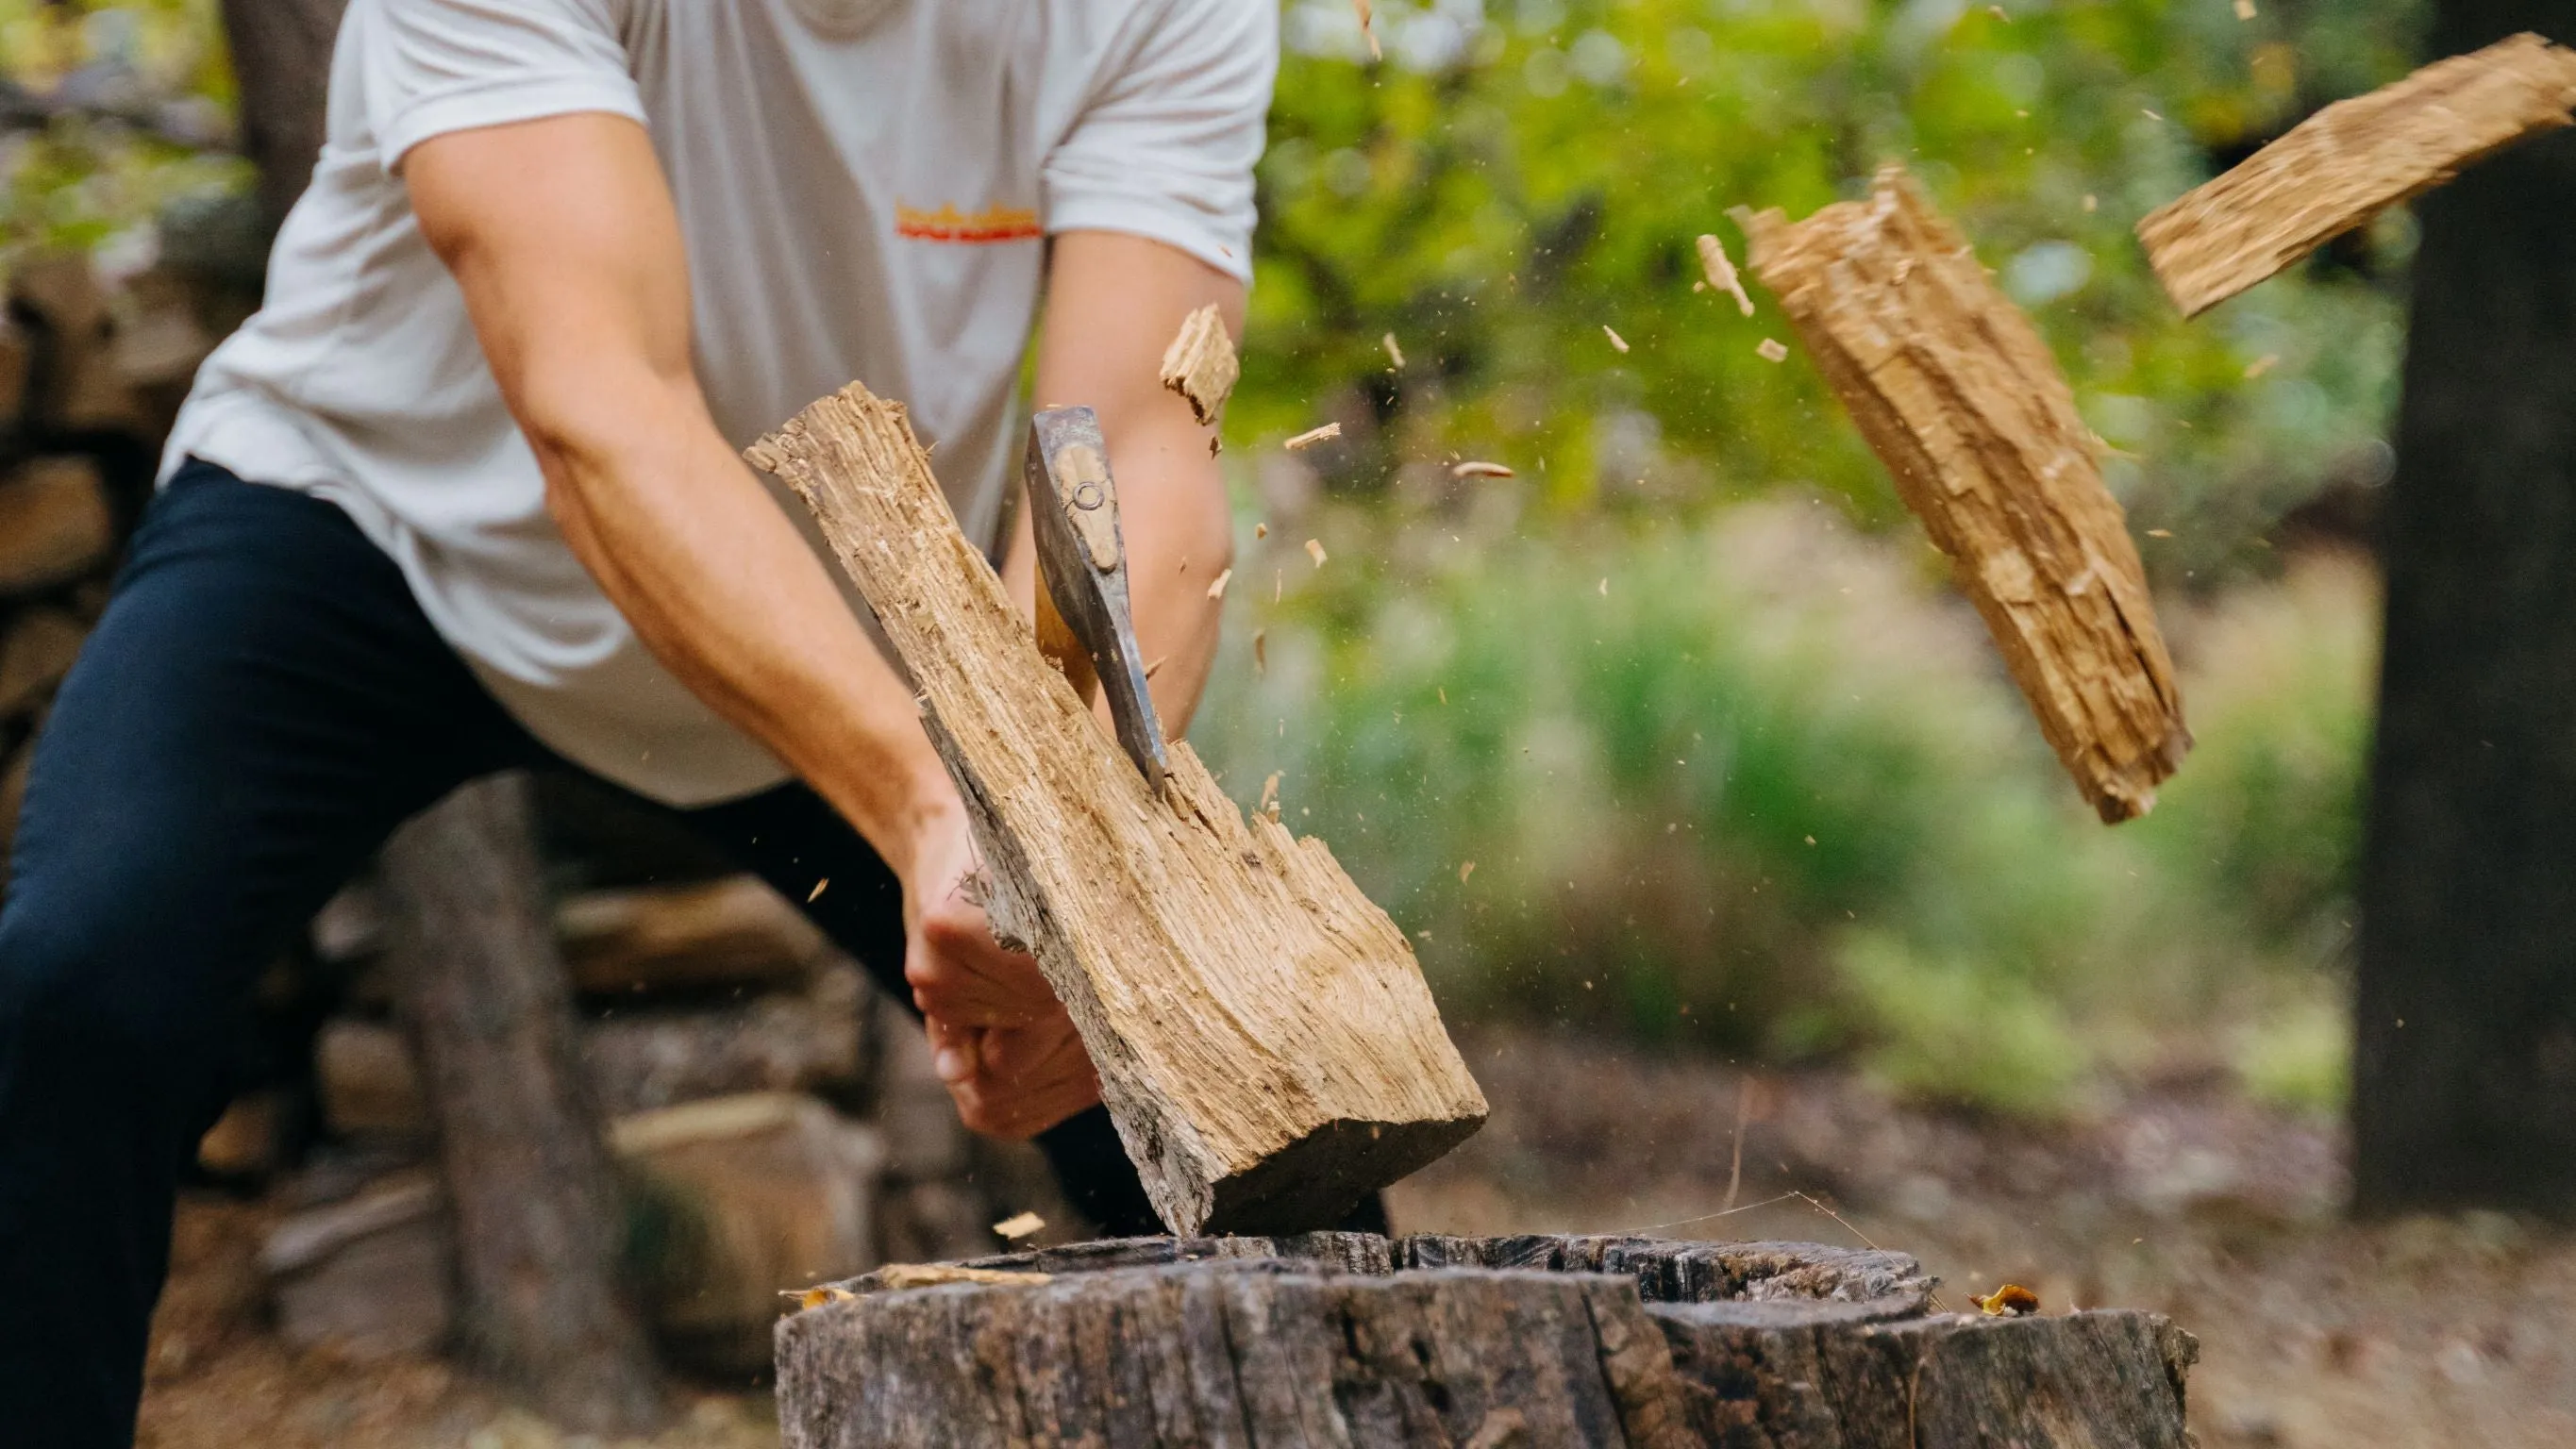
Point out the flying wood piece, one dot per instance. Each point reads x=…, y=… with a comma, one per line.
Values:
x=1200, y=363
x=1264, y=1038
x=2352, y=160
x=1960, y=399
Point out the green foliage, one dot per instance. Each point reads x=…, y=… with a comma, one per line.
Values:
x=1758, y=784
x=139, y=92
x=1518, y=176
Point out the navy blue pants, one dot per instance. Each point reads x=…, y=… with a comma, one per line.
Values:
x=262, y=704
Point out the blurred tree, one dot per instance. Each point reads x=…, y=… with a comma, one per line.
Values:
x=2465, y=1069
x=287, y=45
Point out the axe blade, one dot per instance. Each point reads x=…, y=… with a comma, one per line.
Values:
x=1082, y=557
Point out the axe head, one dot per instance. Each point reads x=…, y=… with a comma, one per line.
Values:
x=1084, y=622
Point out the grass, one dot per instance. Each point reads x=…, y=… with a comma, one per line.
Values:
x=1758, y=785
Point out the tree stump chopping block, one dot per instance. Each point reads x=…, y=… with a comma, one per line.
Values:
x=1264, y=1037
x=1350, y=1340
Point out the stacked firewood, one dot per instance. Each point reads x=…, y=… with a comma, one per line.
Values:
x=89, y=379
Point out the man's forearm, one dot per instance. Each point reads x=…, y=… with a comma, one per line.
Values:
x=723, y=589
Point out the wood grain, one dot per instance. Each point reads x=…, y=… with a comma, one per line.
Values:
x=1264, y=1037
x=2352, y=160
x=1200, y=364
x=1348, y=1339
x=1959, y=397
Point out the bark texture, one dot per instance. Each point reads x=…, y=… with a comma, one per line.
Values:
x=1263, y=1034
x=2351, y=161
x=1961, y=400
x=1347, y=1339
x=282, y=52
x=538, y=1221
x=2465, y=1065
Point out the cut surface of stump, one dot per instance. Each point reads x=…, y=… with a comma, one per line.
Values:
x=1264, y=1037
x=2351, y=161
x=1959, y=397
x=1350, y=1339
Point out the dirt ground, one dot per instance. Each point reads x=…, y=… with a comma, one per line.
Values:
x=2438, y=1332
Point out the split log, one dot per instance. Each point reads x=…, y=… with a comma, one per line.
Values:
x=633, y=1062
x=729, y=932
x=35, y=656
x=1959, y=397
x=1200, y=364
x=1263, y=1033
x=54, y=524
x=2351, y=161
x=1343, y=1338
x=537, y=1212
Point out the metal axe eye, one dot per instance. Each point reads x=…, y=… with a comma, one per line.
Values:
x=1087, y=496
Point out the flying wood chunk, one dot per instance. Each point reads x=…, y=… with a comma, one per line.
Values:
x=1959, y=397
x=1263, y=1034
x=2352, y=160
x=1200, y=365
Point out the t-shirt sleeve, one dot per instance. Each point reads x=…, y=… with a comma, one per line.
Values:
x=436, y=66
x=1167, y=145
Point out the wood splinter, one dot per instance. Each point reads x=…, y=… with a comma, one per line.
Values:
x=1264, y=1037
x=1961, y=400
x=2351, y=161
x=1200, y=364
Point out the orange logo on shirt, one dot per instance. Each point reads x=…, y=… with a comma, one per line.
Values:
x=947, y=224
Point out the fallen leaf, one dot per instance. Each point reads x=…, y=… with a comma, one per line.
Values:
x=1217, y=590
x=2010, y=1301
x=1312, y=436
x=1315, y=551
x=1721, y=273
x=1617, y=342
x=1772, y=350
x=1474, y=469
x=1394, y=354
x=1018, y=1226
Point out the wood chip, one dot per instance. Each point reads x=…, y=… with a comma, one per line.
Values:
x=2244, y=9
x=1367, y=30
x=1961, y=399
x=1315, y=551
x=1261, y=530
x=2010, y=1301
x=1017, y=1226
x=2352, y=160
x=2262, y=365
x=1312, y=436
x=1772, y=349
x=816, y=894
x=1721, y=273
x=1617, y=342
x=1465, y=871
x=1200, y=364
x=1474, y=469
x=899, y=1276
x=1394, y=354
x=1261, y=651
x=1217, y=590
x=1269, y=797
x=816, y=1297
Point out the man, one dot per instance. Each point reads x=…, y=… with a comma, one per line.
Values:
x=466, y=495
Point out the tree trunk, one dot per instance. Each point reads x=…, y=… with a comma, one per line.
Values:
x=1346, y=1338
x=282, y=57
x=2465, y=1061
x=539, y=1224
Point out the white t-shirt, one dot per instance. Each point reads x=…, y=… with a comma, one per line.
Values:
x=865, y=188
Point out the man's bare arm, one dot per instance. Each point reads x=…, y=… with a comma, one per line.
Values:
x=563, y=236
